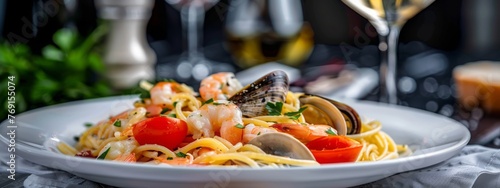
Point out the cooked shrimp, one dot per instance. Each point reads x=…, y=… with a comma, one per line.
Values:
x=118, y=149
x=219, y=86
x=218, y=117
x=304, y=133
x=251, y=131
x=130, y=158
x=161, y=93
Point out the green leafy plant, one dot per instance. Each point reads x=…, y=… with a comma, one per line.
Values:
x=66, y=71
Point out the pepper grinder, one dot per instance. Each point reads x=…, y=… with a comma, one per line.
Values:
x=128, y=57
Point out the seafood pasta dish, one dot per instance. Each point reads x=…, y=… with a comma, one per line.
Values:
x=223, y=123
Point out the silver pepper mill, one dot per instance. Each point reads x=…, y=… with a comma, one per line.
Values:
x=128, y=57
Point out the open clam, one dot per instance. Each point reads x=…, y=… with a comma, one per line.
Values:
x=273, y=87
x=252, y=99
x=282, y=144
x=325, y=111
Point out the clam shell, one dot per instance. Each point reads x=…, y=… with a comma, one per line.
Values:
x=282, y=144
x=252, y=99
x=340, y=116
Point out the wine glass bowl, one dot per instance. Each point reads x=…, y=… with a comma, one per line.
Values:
x=388, y=17
x=192, y=66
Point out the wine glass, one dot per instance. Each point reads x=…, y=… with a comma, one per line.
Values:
x=261, y=31
x=193, y=66
x=388, y=17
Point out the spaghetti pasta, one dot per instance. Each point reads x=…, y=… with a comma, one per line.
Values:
x=377, y=145
x=174, y=126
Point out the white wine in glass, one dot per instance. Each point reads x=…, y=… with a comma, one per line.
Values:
x=260, y=48
x=261, y=31
x=388, y=16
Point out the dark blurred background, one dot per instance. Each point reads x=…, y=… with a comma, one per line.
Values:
x=442, y=26
x=446, y=34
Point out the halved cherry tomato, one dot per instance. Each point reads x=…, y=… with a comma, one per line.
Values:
x=161, y=130
x=334, y=149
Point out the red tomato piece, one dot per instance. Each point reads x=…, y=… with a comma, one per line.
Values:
x=161, y=130
x=334, y=149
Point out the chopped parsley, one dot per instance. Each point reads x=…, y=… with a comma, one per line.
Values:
x=103, y=155
x=239, y=126
x=164, y=110
x=88, y=124
x=331, y=132
x=175, y=104
x=118, y=123
x=180, y=154
x=170, y=158
x=258, y=134
x=76, y=138
x=172, y=115
x=295, y=115
x=211, y=100
x=274, y=109
x=216, y=103
x=144, y=94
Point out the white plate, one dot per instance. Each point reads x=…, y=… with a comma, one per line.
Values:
x=433, y=138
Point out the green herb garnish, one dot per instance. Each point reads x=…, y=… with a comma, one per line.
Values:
x=103, y=155
x=175, y=104
x=239, y=126
x=211, y=100
x=76, y=138
x=164, y=110
x=258, y=134
x=144, y=94
x=180, y=154
x=331, y=132
x=88, y=125
x=274, y=109
x=172, y=115
x=118, y=123
x=295, y=115
x=170, y=158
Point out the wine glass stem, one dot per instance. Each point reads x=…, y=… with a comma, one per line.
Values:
x=192, y=16
x=388, y=46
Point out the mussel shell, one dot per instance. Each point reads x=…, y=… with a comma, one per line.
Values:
x=351, y=117
x=252, y=99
